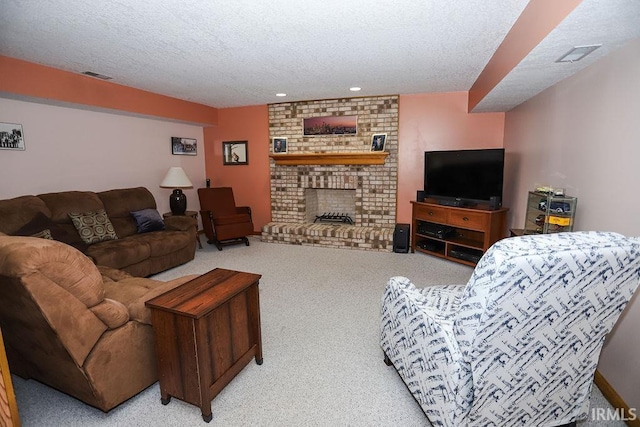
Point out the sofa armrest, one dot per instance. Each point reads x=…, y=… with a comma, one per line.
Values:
x=180, y=223
x=113, y=313
x=417, y=335
x=112, y=274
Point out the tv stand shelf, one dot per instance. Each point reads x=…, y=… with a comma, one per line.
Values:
x=458, y=234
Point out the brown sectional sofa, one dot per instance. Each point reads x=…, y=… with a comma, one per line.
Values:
x=139, y=254
x=76, y=327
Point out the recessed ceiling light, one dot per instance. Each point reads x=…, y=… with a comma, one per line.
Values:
x=281, y=94
x=96, y=75
x=355, y=89
x=577, y=53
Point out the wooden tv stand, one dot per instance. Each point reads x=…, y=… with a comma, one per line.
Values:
x=471, y=231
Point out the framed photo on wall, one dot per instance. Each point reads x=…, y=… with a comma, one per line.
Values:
x=184, y=146
x=377, y=141
x=279, y=145
x=235, y=153
x=11, y=137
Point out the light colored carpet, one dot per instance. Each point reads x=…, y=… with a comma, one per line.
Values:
x=322, y=360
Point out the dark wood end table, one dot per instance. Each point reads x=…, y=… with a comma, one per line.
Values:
x=206, y=331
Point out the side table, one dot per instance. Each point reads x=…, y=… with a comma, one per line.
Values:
x=192, y=214
x=206, y=330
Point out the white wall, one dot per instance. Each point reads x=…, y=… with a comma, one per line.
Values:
x=73, y=149
x=583, y=134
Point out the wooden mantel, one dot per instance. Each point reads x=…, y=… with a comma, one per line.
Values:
x=339, y=158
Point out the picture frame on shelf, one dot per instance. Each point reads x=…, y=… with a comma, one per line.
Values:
x=378, y=141
x=234, y=153
x=279, y=145
x=11, y=137
x=184, y=146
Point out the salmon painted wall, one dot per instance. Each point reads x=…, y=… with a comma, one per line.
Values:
x=582, y=135
x=250, y=183
x=26, y=80
x=437, y=121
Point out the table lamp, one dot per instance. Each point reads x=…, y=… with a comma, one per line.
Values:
x=177, y=179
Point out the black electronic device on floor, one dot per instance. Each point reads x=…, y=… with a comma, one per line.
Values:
x=401, y=235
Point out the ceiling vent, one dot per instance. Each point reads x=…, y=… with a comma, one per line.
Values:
x=577, y=53
x=96, y=75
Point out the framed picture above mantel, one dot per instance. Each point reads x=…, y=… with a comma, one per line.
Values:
x=330, y=125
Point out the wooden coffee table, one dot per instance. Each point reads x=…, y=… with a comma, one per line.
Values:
x=206, y=331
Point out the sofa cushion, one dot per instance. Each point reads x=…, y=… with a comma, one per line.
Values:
x=60, y=204
x=119, y=253
x=19, y=211
x=42, y=222
x=120, y=203
x=93, y=226
x=232, y=219
x=134, y=292
x=164, y=242
x=148, y=220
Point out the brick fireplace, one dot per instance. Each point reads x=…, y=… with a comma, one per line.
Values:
x=371, y=187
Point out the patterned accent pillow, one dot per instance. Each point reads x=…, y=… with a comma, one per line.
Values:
x=93, y=226
x=44, y=234
x=148, y=220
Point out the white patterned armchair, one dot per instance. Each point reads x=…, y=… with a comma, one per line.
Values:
x=519, y=344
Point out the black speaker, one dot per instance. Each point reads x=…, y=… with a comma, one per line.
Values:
x=401, y=238
x=420, y=196
x=495, y=203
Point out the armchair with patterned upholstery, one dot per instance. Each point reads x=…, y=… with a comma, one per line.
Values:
x=223, y=222
x=520, y=342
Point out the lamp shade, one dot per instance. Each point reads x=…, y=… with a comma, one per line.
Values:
x=176, y=178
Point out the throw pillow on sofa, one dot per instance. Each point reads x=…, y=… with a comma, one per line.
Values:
x=44, y=234
x=148, y=220
x=93, y=226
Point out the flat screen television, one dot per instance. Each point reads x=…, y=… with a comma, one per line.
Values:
x=464, y=177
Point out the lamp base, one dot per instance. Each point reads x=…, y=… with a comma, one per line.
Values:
x=178, y=202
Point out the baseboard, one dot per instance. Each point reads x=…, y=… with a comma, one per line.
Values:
x=614, y=398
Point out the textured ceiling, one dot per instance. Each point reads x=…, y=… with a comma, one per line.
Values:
x=236, y=53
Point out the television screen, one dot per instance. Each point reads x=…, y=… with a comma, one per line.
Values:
x=473, y=176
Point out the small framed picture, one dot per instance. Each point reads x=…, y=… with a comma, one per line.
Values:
x=184, y=146
x=11, y=137
x=280, y=145
x=377, y=141
x=235, y=153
